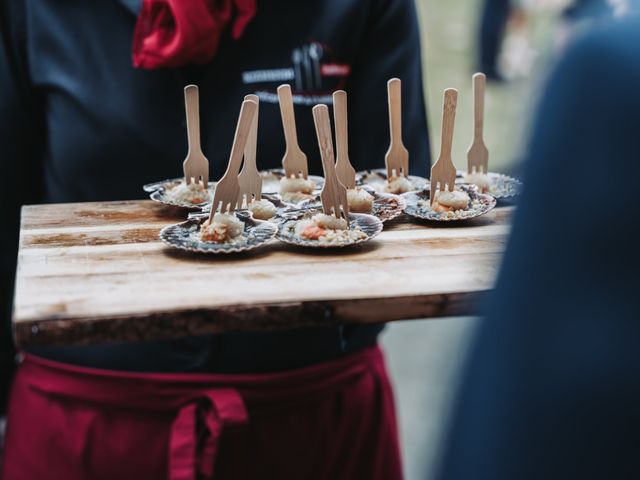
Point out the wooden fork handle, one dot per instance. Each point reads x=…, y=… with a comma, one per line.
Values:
x=448, y=121
x=479, y=85
x=285, y=99
x=191, y=105
x=344, y=169
x=340, y=118
x=394, y=97
x=323, y=131
x=246, y=118
x=251, y=146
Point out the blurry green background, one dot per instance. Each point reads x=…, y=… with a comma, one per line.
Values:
x=449, y=39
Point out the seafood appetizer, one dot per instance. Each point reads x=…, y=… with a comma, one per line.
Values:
x=378, y=181
x=312, y=228
x=296, y=189
x=177, y=193
x=360, y=201
x=272, y=181
x=499, y=186
x=262, y=209
x=193, y=193
x=462, y=203
x=223, y=228
x=398, y=185
x=225, y=233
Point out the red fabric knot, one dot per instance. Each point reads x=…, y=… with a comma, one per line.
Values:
x=196, y=431
x=174, y=33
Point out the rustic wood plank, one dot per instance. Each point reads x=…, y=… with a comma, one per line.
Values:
x=96, y=272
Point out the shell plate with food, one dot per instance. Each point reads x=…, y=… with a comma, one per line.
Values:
x=312, y=228
x=176, y=193
x=377, y=180
x=502, y=187
x=225, y=235
x=271, y=181
x=418, y=204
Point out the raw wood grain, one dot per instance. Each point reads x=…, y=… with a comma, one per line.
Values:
x=92, y=273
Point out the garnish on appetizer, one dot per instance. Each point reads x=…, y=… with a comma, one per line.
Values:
x=224, y=228
x=479, y=179
x=194, y=193
x=360, y=201
x=327, y=229
x=398, y=185
x=296, y=190
x=262, y=209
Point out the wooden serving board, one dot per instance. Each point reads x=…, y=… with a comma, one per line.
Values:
x=97, y=272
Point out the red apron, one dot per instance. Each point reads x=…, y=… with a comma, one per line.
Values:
x=329, y=421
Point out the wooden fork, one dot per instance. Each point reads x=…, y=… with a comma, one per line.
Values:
x=345, y=172
x=294, y=161
x=334, y=194
x=478, y=155
x=249, y=178
x=443, y=173
x=196, y=165
x=226, y=195
x=397, y=157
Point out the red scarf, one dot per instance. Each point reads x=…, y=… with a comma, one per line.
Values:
x=173, y=33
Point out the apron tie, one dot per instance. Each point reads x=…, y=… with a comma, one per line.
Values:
x=196, y=431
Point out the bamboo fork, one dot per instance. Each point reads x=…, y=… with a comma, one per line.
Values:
x=249, y=178
x=397, y=157
x=443, y=173
x=294, y=161
x=196, y=165
x=334, y=194
x=228, y=188
x=345, y=172
x=478, y=155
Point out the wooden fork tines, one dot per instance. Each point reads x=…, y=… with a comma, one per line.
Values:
x=249, y=178
x=294, y=161
x=196, y=165
x=225, y=197
x=346, y=173
x=334, y=194
x=397, y=157
x=443, y=172
x=478, y=155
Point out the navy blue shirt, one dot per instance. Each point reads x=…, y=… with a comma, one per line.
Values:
x=79, y=123
x=552, y=385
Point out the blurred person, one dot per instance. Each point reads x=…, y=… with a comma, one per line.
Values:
x=91, y=108
x=504, y=33
x=551, y=387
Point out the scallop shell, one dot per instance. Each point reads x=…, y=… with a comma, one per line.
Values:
x=377, y=177
x=413, y=209
x=369, y=224
x=158, y=193
x=185, y=236
x=271, y=180
x=503, y=187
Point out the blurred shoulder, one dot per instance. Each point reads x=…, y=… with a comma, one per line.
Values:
x=611, y=43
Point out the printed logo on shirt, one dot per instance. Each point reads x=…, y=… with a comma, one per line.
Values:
x=313, y=74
